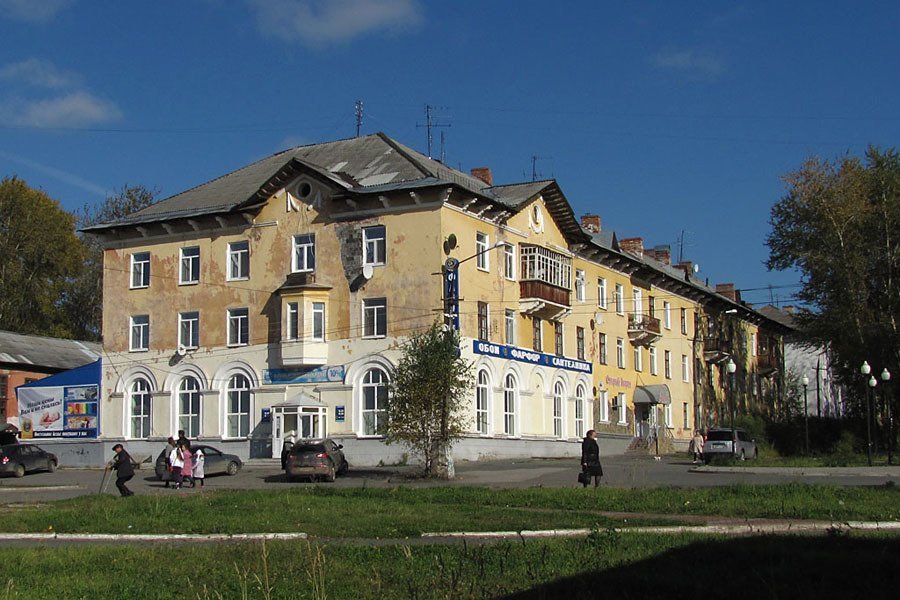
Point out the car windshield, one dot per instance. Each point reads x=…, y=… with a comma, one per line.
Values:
x=719, y=436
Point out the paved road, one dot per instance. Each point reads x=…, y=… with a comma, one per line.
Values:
x=620, y=471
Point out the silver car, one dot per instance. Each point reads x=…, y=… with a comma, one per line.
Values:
x=735, y=443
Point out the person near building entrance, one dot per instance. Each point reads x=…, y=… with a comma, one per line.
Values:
x=124, y=468
x=176, y=464
x=590, y=459
x=696, y=448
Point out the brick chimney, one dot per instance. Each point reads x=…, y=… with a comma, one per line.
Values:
x=632, y=245
x=727, y=290
x=591, y=223
x=661, y=253
x=484, y=174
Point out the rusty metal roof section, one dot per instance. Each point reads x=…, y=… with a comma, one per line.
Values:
x=45, y=354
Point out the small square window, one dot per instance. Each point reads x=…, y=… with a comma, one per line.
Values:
x=374, y=245
x=304, y=255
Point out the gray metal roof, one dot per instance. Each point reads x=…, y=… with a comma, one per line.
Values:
x=37, y=353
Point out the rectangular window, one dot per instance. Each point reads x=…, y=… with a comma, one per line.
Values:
x=601, y=292
x=579, y=342
x=753, y=344
x=293, y=321
x=537, y=344
x=667, y=315
x=190, y=266
x=189, y=329
x=603, y=399
x=638, y=302
x=620, y=299
x=684, y=328
x=653, y=360
x=510, y=327
x=481, y=251
x=686, y=421
x=374, y=317
x=238, y=326
x=685, y=369
x=667, y=364
x=509, y=261
x=374, y=249
x=140, y=333
x=558, y=338
x=667, y=415
x=140, y=270
x=601, y=349
x=620, y=353
x=623, y=409
x=238, y=260
x=580, y=284
x=638, y=359
x=304, y=253
x=651, y=305
x=483, y=322
x=318, y=321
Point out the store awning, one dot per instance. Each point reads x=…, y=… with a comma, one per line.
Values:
x=652, y=394
x=300, y=399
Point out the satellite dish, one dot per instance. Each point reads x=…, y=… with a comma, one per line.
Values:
x=368, y=271
x=181, y=350
x=451, y=241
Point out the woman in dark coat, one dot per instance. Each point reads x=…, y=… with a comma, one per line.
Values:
x=590, y=459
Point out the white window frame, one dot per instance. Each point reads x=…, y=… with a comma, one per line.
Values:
x=303, y=253
x=371, y=309
x=667, y=315
x=638, y=359
x=237, y=317
x=238, y=260
x=638, y=298
x=580, y=285
x=189, y=320
x=685, y=369
x=603, y=400
x=559, y=400
x=187, y=419
x=483, y=402
x=510, y=405
x=318, y=321
x=667, y=364
x=509, y=262
x=143, y=400
x=238, y=413
x=620, y=299
x=620, y=353
x=372, y=420
x=667, y=415
x=374, y=245
x=753, y=344
x=601, y=293
x=482, y=243
x=684, y=327
x=189, y=262
x=622, y=403
x=484, y=321
x=143, y=338
x=602, y=349
x=292, y=321
x=653, y=366
x=140, y=270
x=580, y=404
x=685, y=412
x=510, y=322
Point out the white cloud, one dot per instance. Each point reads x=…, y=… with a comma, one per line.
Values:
x=38, y=73
x=322, y=22
x=35, y=93
x=33, y=11
x=691, y=62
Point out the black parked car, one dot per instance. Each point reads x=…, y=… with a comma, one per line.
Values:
x=316, y=459
x=215, y=461
x=18, y=459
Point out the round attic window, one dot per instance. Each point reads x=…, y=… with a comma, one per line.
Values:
x=303, y=189
x=536, y=219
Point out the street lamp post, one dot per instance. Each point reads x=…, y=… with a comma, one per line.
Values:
x=885, y=377
x=805, y=382
x=865, y=369
x=731, y=368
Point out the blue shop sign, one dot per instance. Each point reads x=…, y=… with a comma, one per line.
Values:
x=529, y=356
x=324, y=374
x=339, y=413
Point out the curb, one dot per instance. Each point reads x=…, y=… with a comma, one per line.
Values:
x=39, y=488
x=150, y=537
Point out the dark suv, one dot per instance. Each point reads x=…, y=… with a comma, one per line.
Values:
x=315, y=459
x=725, y=442
x=17, y=459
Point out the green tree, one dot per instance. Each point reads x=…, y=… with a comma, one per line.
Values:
x=39, y=255
x=839, y=226
x=82, y=303
x=427, y=405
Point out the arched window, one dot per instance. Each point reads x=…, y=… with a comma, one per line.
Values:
x=139, y=404
x=579, y=410
x=559, y=392
x=482, y=394
x=189, y=406
x=374, y=401
x=510, y=404
x=238, y=415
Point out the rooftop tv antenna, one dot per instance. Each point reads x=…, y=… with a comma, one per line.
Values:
x=359, y=116
x=534, y=159
x=431, y=122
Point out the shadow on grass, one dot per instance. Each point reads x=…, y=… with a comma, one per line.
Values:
x=836, y=566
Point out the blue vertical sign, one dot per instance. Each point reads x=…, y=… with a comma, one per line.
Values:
x=451, y=292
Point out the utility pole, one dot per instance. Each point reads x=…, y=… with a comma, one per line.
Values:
x=431, y=123
x=359, y=116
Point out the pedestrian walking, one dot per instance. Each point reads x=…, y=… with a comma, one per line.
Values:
x=124, y=469
x=590, y=460
x=187, y=470
x=170, y=445
x=696, y=447
x=199, y=466
x=176, y=459
x=182, y=439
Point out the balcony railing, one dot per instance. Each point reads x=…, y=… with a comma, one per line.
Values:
x=767, y=363
x=715, y=348
x=539, y=290
x=643, y=330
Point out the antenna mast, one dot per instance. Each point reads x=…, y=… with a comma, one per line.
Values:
x=534, y=159
x=430, y=123
x=359, y=116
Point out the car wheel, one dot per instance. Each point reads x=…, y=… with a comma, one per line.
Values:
x=51, y=466
x=345, y=466
x=19, y=471
x=330, y=477
x=232, y=468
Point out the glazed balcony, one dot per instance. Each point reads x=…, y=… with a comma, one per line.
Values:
x=545, y=282
x=643, y=330
x=303, y=353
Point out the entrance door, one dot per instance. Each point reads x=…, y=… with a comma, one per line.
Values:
x=277, y=434
x=643, y=420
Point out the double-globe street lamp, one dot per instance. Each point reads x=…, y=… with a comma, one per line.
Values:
x=731, y=368
x=805, y=382
x=885, y=377
x=865, y=369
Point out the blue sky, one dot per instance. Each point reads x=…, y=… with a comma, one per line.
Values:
x=669, y=119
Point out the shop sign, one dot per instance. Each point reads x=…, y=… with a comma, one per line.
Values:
x=324, y=374
x=529, y=356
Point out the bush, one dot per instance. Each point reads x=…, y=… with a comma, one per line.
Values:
x=843, y=451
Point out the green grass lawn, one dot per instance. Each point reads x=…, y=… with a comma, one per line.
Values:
x=407, y=512
x=605, y=564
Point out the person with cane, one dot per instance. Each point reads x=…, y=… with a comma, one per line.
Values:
x=124, y=468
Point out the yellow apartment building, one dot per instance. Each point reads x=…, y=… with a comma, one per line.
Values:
x=272, y=304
